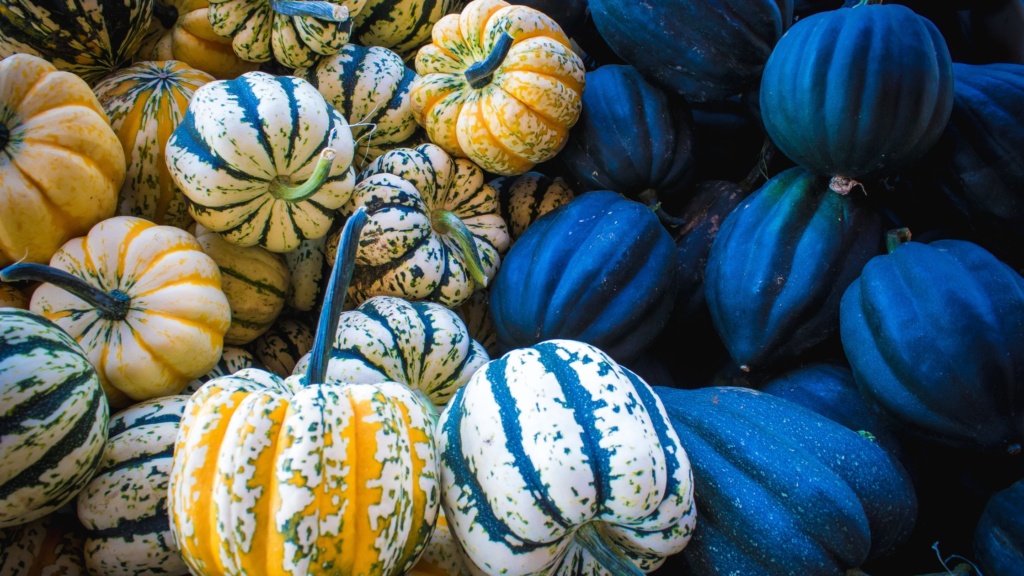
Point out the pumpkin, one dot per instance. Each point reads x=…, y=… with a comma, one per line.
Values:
x=999, y=533
x=401, y=25
x=89, y=38
x=305, y=475
x=143, y=300
x=556, y=460
x=370, y=87
x=499, y=84
x=124, y=507
x=526, y=197
x=181, y=31
x=232, y=359
x=64, y=163
x=145, y=102
x=53, y=420
x=875, y=96
x=279, y=349
x=51, y=545
x=435, y=231
x=264, y=160
x=934, y=333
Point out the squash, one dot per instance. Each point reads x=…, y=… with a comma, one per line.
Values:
x=420, y=344
x=181, y=31
x=232, y=359
x=499, y=84
x=53, y=417
x=435, y=231
x=305, y=475
x=255, y=282
x=279, y=349
x=308, y=266
x=442, y=556
x=370, y=87
x=934, y=333
x=64, y=163
x=145, y=102
x=89, y=38
x=264, y=160
x=874, y=98
x=527, y=197
x=143, y=300
x=556, y=460
x=476, y=315
x=124, y=507
x=401, y=25
x=51, y=545
x=999, y=534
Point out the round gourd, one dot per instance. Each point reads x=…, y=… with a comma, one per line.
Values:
x=51, y=545
x=874, y=97
x=145, y=102
x=143, y=300
x=499, y=84
x=999, y=534
x=527, y=197
x=53, y=417
x=264, y=160
x=279, y=349
x=64, y=163
x=308, y=267
x=124, y=507
x=401, y=25
x=552, y=445
x=232, y=359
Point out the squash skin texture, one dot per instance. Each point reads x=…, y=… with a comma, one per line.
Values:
x=999, y=534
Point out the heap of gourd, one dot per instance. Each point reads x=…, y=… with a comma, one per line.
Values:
x=436, y=287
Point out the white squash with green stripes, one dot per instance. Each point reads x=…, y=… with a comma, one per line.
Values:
x=401, y=25
x=49, y=546
x=232, y=359
x=124, y=507
x=556, y=460
x=53, y=417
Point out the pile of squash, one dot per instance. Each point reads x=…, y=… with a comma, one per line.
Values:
x=382, y=287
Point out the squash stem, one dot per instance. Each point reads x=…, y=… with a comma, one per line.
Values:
x=334, y=298
x=589, y=537
x=279, y=188
x=112, y=305
x=448, y=224
x=893, y=238
x=479, y=75
x=326, y=11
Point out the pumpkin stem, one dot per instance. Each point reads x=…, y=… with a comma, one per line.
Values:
x=448, y=224
x=281, y=188
x=893, y=238
x=166, y=14
x=112, y=305
x=334, y=298
x=326, y=11
x=610, y=558
x=842, y=185
x=479, y=75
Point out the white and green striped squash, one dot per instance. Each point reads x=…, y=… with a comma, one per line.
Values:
x=370, y=87
x=420, y=344
x=476, y=315
x=264, y=160
x=53, y=417
x=556, y=460
x=90, y=38
x=145, y=102
x=401, y=25
x=279, y=349
x=309, y=269
x=527, y=197
x=124, y=507
x=435, y=232
x=232, y=359
x=49, y=546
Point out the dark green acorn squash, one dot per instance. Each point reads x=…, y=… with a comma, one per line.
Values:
x=999, y=535
x=599, y=270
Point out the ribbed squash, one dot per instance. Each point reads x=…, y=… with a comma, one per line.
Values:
x=264, y=160
x=279, y=349
x=401, y=25
x=305, y=475
x=63, y=163
x=999, y=534
x=435, y=232
x=309, y=268
x=90, y=38
x=181, y=31
x=145, y=102
x=499, y=84
x=124, y=507
x=53, y=417
x=527, y=197
x=143, y=300
x=49, y=546
x=556, y=460
x=232, y=359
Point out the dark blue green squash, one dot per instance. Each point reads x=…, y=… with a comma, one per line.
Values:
x=780, y=263
x=859, y=92
x=781, y=490
x=599, y=270
x=999, y=535
x=934, y=334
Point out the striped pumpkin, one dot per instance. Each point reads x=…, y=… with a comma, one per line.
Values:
x=53, y=417
x=124, y=507
x=232, y=359
x=401, y=25
x=264, y=160
x=434, y=233
x=556, y=460
x=145, y=102
x=49, y=546
x=500, y=85
x=90, y=38
x=370, y=87
x=527, y=197
x=279, y=349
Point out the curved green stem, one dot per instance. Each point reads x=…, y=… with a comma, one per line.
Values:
x=479, y=75
x=893, y=238
x=327, y=11
x=334, y=299
x=610, y=558
x=448, y=224
x=112, y=305
x=284, y=190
